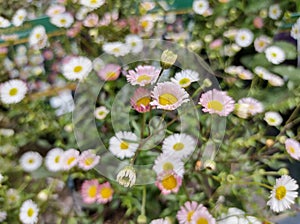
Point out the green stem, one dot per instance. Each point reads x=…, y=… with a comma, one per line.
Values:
x=255, y=183
x=143, y=210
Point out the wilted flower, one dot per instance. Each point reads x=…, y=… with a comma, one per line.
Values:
x=127, y=176
x=167, y=59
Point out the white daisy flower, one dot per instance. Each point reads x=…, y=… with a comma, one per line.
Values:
x=55, y=10
x=13, y=91
x=245, y=74
x=64, y=20
x=116, y=48
x=38, y=37
x=179, y=145
x=3, y=215
x=101, y=112
x=88, y=159
x=53, y=159
x=253, y=106
x=135, y=43
x=12, y=196
x=237, y=216
x=31, y=161
x=70, y=159
x=293, y=148
x=4, y=22
x=94, y=4
x=123, y=144
x=200, y=6
x=168, y=162
x=262, y=72
x=19, y=17
x=275, y=55
x=244, y=37
x=295, y=31
x=185, y=78
x=29, y=212
x=283, y=194
x=261, y=43
x=275, y=80
x=77, y=68
x=275, y=11
x=273, y=118
x=147, y=23
x=234, y=70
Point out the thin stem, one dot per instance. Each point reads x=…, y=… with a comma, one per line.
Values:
x=255, y=183
x=143, y=210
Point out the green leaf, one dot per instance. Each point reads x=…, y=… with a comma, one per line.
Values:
x=251, y=61
x=287, y=71
x=289, y=49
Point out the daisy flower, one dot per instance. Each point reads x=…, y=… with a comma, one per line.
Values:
x=19, y=17
x=147, y=5
x=186, y=212
x=123, y=144
x=147, y=23
x=88, y=160
x=12, y=196
x=275, y=55
x=168, y=162
x=70, y=159
x=168, y=96
x=261, y=43
x=135, y=43
x=77, y=68
x=55, y=10
x=116, y=48
x=143, y=75
x=160, y=221
x=127, y=176
x=13, y=91
x=140, y=100
x=295, y=31
x=233, y=70
x=94, y=4
x=254, y=106
x=4, y=23
x=217, y=102
x=63, y=20
x=273, y=118
x=3, y=215
x=29, y=212
x=293, y=148
x=168, y=182
x=200, y=6
x=180, y=145
x=53, y=159
x=202, y=215
x=105, y=193
x=89, y=191
x=245, y=74
x=185, y=78
x=31, y=161
x=38, y=37
x=101, y=112
x=237, y=216
x=91, y=20
x=109, y=72
x=274, y=11
x=283, y=194
x=275, y=80
x=262, y=72
x=244, y=37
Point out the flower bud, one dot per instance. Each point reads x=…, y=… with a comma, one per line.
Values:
x=127, y=176
x=43, y=195
x=283, y=171
x=168, y=58
x=210, y=164
x=142, y=219
x=269, y=142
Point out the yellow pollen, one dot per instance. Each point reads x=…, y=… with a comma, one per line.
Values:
x=30, y=212
x=88, y=161
x=124, y=145
x=101, y=113
x=31, y=161
x=70, y=160
x=200, y=5
x=57, y=158
x=106, y=192
x=215, y=105
x=92, y=192
x=178, y=146
x=202, y=221
x=291, y=149
x=243, y=37
x=168, y=166
x=185, y=82
x=144, y=24
x=280, y=192
x=63, y=21
x=274, y=55
x=111, y=75
x=78, y=68
x=143, y=101
x=38, y=36
x=143, y=78
x=261, y=43
x=271, y=120
x=13, y=91
x=167, y=99
x=21, y=17
x=169, y=182
x=116, y=50
x=189, y=216
x=93, y=1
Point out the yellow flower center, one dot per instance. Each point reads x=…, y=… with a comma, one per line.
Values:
x=93, y=1
x=92, y=192
x=189, y=216
x=116, y=50
x=63, y=21
x=143, y=101
x=111, y=75
x=70, y=160
x=169, y=182
x=30, y=212
x=78, y=68
x=243, y=37
x=88, y=161
x=261, y=44
x=144, y=24
x=13, y=91
x=167, y=99
x=124, y=145
x=280, y=192
x=185, y=82
x=21, y=17
x=57, y=158
x=271, y=120
x=202, y=221
x=106, y=192
x=215, y=105
x=143, y=78
x=200, y=5
x=31, y=161
x=38, y=36
x=274, y=55
x=168, y=166
x=291, y=149
x=178, y=146
x=274, y=11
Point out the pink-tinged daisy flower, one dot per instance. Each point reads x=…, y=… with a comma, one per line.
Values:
x=143, y=75
x=93, y=4
x=217, y=102
x=186, y=212
x=140, y=100
x=168, y=182
x=168, y=162
x=275, y=80
x=70, y=159
x=203, y=216
x=91, y=20
x=293, y=148
x=109, y=72
x=245, y=74
x=105, y=193
x=254, y=106
x=88, y=160
x=261, y=43
x=89, y=191
x=55, y=10
x=168, y=96
x=283, y=194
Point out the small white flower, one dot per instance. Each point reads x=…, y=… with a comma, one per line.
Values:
x=94, y=4
x=244, y=37
x=38, y=37
x=295, y=31
x=261, y=43
x=245, y=74
x=168, y=162
x=3, y=215
x=275, y=55
x=77, y=68
x=147, y=22
x=55, y=10
x=13, y=91
x=12, y=196
x=200, y=6
x=19, y=17
x=185, y=77
x=70, y=159
x=262, y=72
x=53, y=159
x=127, y=176
x=116, y=48
x=275, y=80
x=237, y=216
x=31, y=161
x=4, y=22
x=101, y=112
x=135, y=43
x=64, y=20
x=273, y=118
x=283, y=194
x=29, y=212
x=274, y=11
